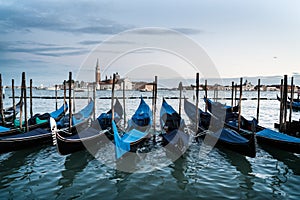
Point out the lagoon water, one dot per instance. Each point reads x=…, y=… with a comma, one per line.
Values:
x=40, y=172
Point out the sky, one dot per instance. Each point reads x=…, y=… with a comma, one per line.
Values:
x=49, y=38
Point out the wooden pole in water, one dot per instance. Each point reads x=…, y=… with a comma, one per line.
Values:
x=240, y=104
x=65, y=91
x=30, y=98
x=70, y=101
x=74, y=99
x=292, y=99
x=180, y=96
x=94, y=97
x=232, y=93
x=197, y=102
x=13, y=98
x=1, y=102
x=124, y=103
x=155, y=99
x=25, y=104
x=205, y=95
x=235, y=93
x=258, y=100
x=281, y=105
x=88, y=92
x=22, y=102
x=285, y=81
x=56, y=107
x=112, y=99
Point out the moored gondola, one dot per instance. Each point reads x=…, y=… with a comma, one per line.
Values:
x=39, y=133
x=9, y=113
x=295, y=104
x=175, y=139
x=82, y=136
x=37, y=121
x=213, y=131
x=136, y=132
x=265, y=135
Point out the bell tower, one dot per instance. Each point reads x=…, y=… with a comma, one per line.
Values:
x=98, y=74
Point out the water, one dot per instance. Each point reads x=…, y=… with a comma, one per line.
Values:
x=40, y=172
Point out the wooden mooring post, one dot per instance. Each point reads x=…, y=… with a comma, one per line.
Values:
x=124, y=103
x=240, y=104
x=30, y=99
x=232, y=93
x=197, y=102
x=56, y=107
x=281, y=106
x=258, y=100
x=291, y=101
x=1, y=102
x=180, y=97
x=25, y=102
x=13, y=98
x=70, y=101
x=206, y=95
x=155, y=101
x=112, y=98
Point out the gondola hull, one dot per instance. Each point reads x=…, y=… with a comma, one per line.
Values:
x=267, y=136
x=220, y=136
x=37, y=134
x=82, y=135
x=20, y=141
x=175, y=139
x=93, y=140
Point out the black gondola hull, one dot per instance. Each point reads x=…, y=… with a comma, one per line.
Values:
x=13, y=144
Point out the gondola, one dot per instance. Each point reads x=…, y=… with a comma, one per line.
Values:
x=212, y=129
x=41, y=134
x=295, y=104
x=37, y=121
x=79, y=138
x=9, y=113
x=265, y=135
x=218, y=105
x=175, y=139
x=136, y=132
x=295, y=100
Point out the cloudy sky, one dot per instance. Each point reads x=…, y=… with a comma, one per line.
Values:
x=49, y=38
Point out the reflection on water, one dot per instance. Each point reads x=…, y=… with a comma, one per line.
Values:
x=179, y=168
x=74, y=164
x=11, y=167
x=242, y=165
x=291, y=160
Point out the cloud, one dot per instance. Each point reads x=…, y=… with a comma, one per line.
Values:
x=89, y=42
x=189, y=31
x=40, y=49
x=163, y=31
x=25, y=18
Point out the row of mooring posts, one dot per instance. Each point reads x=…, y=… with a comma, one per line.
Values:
x=23, y=101
x=285, y=107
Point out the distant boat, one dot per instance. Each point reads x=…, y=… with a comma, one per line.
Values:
x=295, y=104
x=50, y=88
x=144, y=90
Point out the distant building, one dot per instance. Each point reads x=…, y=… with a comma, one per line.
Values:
x=97, y=73
x=143, y=86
